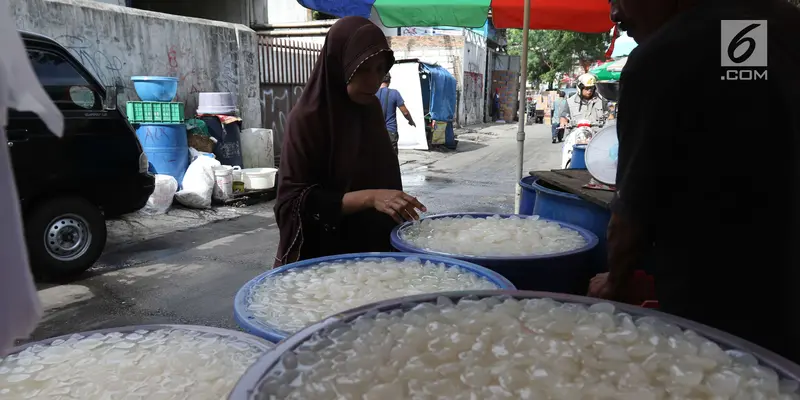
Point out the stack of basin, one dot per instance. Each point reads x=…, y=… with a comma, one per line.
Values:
x=160, y=125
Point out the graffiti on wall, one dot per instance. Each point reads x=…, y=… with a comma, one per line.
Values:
x=201, y=79
x=278, y=101
x=473, y=97
x=106, y=66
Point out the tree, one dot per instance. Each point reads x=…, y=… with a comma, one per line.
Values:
x=554, y=53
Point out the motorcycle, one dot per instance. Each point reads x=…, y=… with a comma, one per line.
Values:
x=581, y=133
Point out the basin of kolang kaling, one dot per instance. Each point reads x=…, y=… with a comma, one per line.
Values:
x=566, y=271
x=515, y=344
x=148, y=361
x=319, y=287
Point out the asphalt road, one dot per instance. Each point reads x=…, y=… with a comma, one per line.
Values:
x=190, y=276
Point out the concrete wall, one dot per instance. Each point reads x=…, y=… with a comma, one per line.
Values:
x=116, y=43
x=245, y=12
x=286, y=11
x=473, y=98
x=234, y=11
x=446, y=51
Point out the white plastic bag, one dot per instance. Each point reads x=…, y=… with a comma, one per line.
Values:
x=161, y=199
x=198, y=183
x=194, y=153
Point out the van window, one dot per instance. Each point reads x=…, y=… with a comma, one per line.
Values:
x=69, y=90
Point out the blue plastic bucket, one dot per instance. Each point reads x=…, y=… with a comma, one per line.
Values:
x=578, y=157
x=566, y=272
x=155, y=88
x=528, y=197
x=166, y=147
x=552, y=203
x=248, y=322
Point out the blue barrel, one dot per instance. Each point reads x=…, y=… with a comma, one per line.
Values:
x=528, y=197
x=166, y=147
x=578, y=157
x=248, y=322
x=553, y=203
x=567, y=272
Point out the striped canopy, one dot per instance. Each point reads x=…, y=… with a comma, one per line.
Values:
x=590, y=16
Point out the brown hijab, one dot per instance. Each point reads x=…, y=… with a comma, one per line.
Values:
x=331, y=142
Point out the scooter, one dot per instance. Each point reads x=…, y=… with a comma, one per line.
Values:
x=581, y=133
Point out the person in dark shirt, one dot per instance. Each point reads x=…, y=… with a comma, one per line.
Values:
x=391, y=100
x=705, y=188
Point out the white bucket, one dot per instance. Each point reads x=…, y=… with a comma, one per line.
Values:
x=223, y=182
x=259, y=178
x=216, y=103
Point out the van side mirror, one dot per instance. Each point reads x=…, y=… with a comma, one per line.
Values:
x=110, y=102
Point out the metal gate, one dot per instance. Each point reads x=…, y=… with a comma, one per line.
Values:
x=284, y=69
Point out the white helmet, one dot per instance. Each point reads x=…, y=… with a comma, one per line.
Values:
x=586, y=81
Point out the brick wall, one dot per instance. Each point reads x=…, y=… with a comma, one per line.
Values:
x=508, y=84
x=447, y=51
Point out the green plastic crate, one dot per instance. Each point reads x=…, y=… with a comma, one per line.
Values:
x=150, y=112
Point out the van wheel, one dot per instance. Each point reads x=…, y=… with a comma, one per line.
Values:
x=65, y=236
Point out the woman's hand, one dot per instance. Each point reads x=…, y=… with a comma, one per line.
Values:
x=602, y=288
x=396, y=204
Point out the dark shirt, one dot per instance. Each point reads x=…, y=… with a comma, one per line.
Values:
x=716, y=186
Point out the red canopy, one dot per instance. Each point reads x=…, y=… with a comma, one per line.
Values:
x=590, y=16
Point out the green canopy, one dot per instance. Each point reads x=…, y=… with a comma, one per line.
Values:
x=603, y=74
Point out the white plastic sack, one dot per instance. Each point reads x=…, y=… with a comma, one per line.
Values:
x=161, y=199
x=194, y=153
x=198, y=183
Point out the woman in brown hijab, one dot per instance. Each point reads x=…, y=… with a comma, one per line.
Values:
x=340, y=189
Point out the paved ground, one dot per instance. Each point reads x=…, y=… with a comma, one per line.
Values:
x=186, y=266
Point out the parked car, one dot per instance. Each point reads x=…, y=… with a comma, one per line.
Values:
x=68, y=186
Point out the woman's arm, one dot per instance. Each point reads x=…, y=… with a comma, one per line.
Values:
x=328, y=206
x=354, y=202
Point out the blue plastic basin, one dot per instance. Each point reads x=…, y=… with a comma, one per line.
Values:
x=155, y=88
x=552, y=203
x=256, y=382
x=248, y=322
x=566, y=272
x=578, y=157
x=166, y=147
x=528, y=197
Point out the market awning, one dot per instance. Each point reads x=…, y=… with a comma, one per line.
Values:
x=616, y=66
x=604, y=74
x=590, y=16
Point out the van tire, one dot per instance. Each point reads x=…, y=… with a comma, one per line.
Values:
x=55, y=257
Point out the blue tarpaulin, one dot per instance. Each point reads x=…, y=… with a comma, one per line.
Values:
x=340, y=8
x=443, y=93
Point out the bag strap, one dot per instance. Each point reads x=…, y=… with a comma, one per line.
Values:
x=386, y=104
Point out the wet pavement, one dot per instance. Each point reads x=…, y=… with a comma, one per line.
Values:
x=185, y=268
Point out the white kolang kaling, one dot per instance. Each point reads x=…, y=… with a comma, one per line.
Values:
x=159, y=364
x=492, y=236
x=518, y=349
x=298, y=297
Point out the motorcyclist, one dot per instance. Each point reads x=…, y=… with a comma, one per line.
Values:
x=584, y=105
